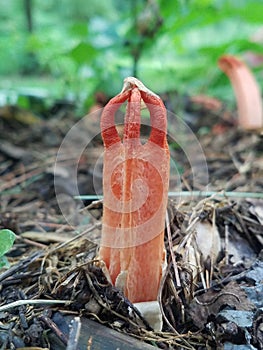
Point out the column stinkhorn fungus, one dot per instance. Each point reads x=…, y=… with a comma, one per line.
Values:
x=248, y=97
x=135, y=186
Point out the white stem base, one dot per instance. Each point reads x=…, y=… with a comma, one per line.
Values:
x=151, y=311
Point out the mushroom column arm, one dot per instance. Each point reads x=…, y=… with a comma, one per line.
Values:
x=135, y=184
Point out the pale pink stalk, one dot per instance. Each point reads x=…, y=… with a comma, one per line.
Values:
x=248, y=97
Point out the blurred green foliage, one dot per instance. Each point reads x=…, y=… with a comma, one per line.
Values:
x=74, y=48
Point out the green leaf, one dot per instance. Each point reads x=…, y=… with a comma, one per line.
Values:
x=83, y=53
x=79, y=29
x=4, y=262
x=7, y=238
x=252, y=11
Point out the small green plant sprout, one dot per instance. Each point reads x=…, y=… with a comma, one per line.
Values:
x=7, y=238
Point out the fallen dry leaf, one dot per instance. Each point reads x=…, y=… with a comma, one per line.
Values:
x=211, y=302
